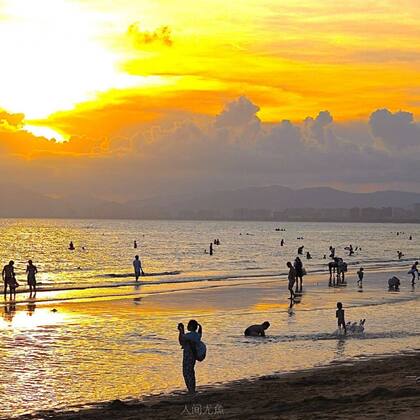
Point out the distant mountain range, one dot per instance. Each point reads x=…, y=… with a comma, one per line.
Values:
x=20, y=202
x=281, y=198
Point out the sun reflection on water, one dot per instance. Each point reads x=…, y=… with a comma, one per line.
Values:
x=27, y=317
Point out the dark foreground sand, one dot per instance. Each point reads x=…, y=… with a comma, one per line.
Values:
x=380, y=388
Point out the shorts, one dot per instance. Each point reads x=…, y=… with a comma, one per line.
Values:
x=11, y=282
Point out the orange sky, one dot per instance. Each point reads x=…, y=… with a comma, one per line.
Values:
x=92, y=67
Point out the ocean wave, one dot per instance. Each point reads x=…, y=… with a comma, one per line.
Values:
x=329, y=336
x=128, y=275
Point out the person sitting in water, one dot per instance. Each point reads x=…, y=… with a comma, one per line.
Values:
x=356, y=328
x=394, y=283
x=71, y=246
x=257, y=330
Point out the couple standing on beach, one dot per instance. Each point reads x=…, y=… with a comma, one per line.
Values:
x=9, y=278
x=296, y=273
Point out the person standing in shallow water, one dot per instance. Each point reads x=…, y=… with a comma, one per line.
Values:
x=360, y=275
x=31, y=271
x=292, y=279
x=188, y=342
x=339, y=314
x=298, y=266
x=413, y=271
x=9, y=278
x=138, y=269
x=211, y=249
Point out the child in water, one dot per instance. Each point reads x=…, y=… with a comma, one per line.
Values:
x=339, y=314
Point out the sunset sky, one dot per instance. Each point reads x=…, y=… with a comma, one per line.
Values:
x=117, y=78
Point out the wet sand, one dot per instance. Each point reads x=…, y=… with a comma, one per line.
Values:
x=367, y=389
x=127, y=348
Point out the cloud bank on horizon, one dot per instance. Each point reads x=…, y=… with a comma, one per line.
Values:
x=229, y=150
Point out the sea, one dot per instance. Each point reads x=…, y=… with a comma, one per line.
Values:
x=92, y=334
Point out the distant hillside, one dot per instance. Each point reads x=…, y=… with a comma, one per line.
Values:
x=20, y=202
x=281, y=198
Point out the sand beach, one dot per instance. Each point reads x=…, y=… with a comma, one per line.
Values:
x=383, y=388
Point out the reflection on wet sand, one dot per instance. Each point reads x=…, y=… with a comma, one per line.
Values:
x=9, y=310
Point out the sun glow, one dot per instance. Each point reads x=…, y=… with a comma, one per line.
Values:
x=90, y=67
x=47, y=132
x=53, y=57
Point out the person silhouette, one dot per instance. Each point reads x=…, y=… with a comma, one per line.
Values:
x=292, y=279
x=9, y=278
x=31, y=271
x=138, y=269
x=188, y=342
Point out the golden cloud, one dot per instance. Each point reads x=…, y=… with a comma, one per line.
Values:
x=161, y=35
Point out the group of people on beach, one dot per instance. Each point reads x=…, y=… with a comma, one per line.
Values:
x=195, y=350
x=9, y=279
